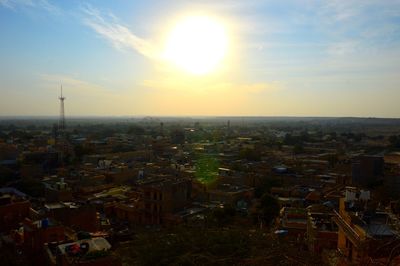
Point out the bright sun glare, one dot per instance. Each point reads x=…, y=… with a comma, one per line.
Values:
x=197, y=44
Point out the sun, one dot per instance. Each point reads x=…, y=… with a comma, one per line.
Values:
x=197, y=44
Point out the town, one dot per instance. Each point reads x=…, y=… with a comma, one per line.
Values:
x=191, y=133
x=200, y=191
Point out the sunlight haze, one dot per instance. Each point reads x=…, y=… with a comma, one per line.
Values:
x=245, y=58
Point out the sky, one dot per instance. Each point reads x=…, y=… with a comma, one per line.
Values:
x=283, y=58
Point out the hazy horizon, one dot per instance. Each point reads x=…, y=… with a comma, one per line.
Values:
x=3, y=117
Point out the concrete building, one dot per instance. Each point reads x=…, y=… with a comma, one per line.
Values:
x=364, y=234
x=322, y=232
x=59, y=191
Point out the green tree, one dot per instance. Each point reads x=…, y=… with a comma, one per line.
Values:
x=6, y=175
x=186, y=246
x=394, y=141
x=298, y=148
x=266, y=185
x=268, y=208
x=250, y=154
x=31, y=186
x=136, y=130
x=222, y=216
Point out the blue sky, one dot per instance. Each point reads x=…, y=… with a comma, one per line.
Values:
x=295, y=58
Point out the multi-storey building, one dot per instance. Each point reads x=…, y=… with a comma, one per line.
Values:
x=365, y=234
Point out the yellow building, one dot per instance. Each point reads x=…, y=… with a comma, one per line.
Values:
x=364, y=234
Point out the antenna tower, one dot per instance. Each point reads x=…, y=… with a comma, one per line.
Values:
x=61, y=121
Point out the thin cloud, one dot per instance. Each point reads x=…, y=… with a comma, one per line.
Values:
x=342, y=48
x=6, y=3
x=119, y=35
x=344, y=10
x=41, y=4
x=71, y=83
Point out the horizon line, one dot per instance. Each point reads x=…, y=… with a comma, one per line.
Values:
x=192, y=116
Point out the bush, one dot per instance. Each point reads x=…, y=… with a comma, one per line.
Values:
x=268, y=208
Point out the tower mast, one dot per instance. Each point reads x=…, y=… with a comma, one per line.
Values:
x=61, y=121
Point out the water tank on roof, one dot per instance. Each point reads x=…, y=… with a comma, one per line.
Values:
x=84, y=247
x=364, y=195
x=281, y=232
x=280, y=169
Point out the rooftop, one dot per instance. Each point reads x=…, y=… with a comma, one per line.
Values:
x=94, y=244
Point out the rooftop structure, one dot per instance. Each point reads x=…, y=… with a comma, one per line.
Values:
x=294, y=220
x=95, y=251
x=322, y=232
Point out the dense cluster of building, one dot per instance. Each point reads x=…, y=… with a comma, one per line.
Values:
x=94, y=192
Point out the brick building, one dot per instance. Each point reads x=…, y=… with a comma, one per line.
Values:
x=78, y=217
x=14, y=208
x=36, y=234
x=154, y=200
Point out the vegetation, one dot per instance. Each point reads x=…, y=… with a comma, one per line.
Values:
x=298, y=148
x=250, y=154
x=395, y=141
x=211, y=246
x=267, y=209
x=80, y=151
x=31, y=187
x=222, y=216
x=136, y=130
x=6, y=175
x=266, y=185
